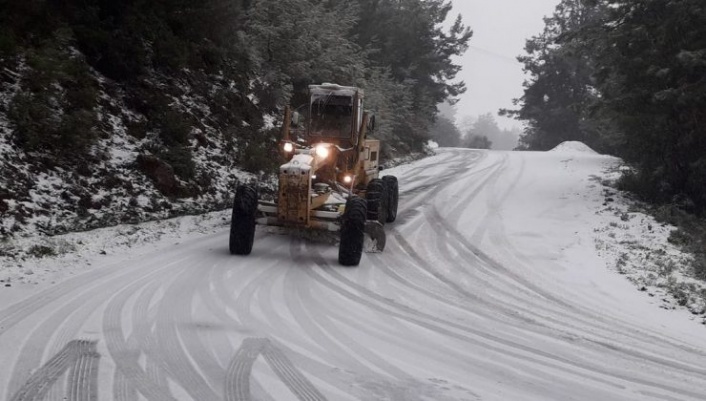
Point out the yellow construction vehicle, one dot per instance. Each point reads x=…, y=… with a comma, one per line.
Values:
x=330, y=180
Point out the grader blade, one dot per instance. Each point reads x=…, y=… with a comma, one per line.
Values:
x=376, y=234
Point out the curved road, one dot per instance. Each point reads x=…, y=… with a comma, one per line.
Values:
x=456, y=308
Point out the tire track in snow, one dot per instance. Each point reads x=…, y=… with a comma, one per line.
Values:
x=241, y=293
x=567, y=311
x=345, y=350
x=15, y=313
x=411, y=199
x=470, y=299
x=141, y=332
x=63, y=324
x=452, y=156
x=443, y=239
x=83, y=377
x=39, y=383
x=122, y=389
x=603, y=330
x=568, y=337
x=270, y=322
x=80, y=358
x=240, y=372
x=291, y=376
x=125, y=356
x=479, y=338
x=262, y=290
x=237, y=386
x=461, y=165
x=446, y=238
x=488, y=260
x=46, y=334
x=98, y=276
x=68, y=300
x=169, y=349
x=380, y=327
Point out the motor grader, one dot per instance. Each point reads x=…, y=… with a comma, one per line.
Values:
x=330, y=180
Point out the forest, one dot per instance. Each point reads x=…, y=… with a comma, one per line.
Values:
x=193, y=91
x=629, y=79
x=266, y=52
x=196, y=89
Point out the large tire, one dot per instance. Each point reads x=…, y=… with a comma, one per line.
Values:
x=352, y=232
x=376, y=198
x=393, y=196
x=242, y=223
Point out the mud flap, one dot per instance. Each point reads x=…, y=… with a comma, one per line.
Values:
x=375, y=235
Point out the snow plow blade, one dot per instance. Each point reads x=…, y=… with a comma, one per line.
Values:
x=376, y=233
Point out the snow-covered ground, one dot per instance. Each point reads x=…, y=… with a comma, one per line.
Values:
x=503, y=279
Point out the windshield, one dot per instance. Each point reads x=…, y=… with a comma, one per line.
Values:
x=331, y=116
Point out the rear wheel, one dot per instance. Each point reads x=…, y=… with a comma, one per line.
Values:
x=242, y=223
x=352, y=232
x=376, y=198
x=393, y=196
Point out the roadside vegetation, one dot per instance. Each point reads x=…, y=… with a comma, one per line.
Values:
x=628, y=79
x=117, y=112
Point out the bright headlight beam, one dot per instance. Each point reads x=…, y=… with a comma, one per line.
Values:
x=347, y=179
x=288, y=147
x=322, y=151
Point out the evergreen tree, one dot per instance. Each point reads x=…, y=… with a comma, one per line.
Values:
x=245, y=58
x=406, y=38
x=479, y=134
x=628, y=78
x=478, y=142
x=507, y=140
x=651, y=72
x=445, y=133
x=556, y=100
x=295, y=43
x=391, y=102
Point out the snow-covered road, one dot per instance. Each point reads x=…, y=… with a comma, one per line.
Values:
x=490, y=288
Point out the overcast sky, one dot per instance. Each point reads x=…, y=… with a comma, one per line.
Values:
x=492, y=74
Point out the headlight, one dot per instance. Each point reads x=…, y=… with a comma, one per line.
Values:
x=347, y=179
x=322, y=151
x=288, y=147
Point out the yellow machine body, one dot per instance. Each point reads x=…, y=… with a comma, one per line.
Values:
x=327, y=154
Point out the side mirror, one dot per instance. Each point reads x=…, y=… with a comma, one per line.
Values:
x=371, y=124
x=296, y=118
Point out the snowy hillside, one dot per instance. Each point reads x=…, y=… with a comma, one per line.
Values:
x=124, y=178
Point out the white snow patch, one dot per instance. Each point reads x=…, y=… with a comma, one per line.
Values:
x=573, y=147
x=51, y=259
x=636, y=245
x=270, y=121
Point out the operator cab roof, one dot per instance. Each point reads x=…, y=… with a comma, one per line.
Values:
x=334, y=89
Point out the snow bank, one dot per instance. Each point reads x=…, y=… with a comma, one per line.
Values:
x=31, y=263
x=573, y=147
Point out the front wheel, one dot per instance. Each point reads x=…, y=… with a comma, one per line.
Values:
x=376, y=197
x=350, y=249
x=242, y=223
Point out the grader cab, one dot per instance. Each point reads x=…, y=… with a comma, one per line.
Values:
x=330, y=180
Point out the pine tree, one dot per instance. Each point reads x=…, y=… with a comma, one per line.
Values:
x=406, y=38
x=559, y=92
x=445, y=133
x=651, y=72
x=295, y=43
